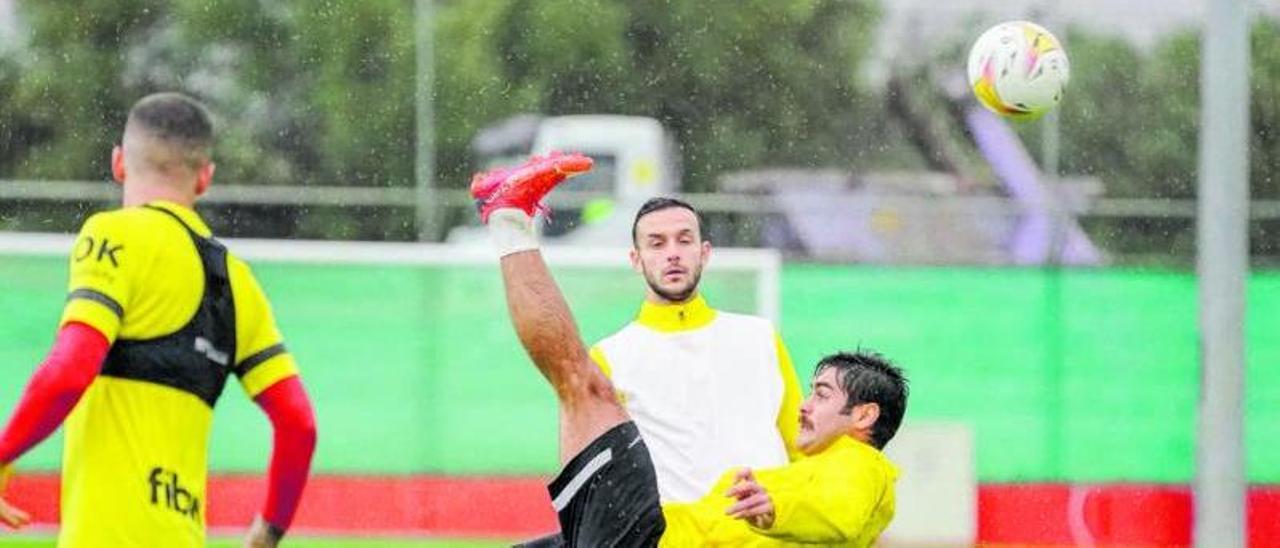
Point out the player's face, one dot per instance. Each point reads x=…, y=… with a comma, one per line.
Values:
x=822, y=416
x=670, y=253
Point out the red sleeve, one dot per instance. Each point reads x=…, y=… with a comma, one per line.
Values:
x=294, y=424
x=54, y=389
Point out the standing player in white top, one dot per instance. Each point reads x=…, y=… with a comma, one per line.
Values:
x=709, y=390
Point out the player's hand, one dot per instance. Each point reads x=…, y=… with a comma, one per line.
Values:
x=10, y=515
x=754, y=504
x=262, y=535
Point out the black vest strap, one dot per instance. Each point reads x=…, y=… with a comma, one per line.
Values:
x=197, y=357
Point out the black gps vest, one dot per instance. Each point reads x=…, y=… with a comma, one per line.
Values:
x=197, y=357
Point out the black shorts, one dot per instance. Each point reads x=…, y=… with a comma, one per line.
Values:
x=607, y=496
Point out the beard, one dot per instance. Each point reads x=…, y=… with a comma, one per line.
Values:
x=677, y=295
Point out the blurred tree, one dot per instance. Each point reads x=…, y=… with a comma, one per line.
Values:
x=315, y=93
x=69, y=95
x=1265, y=119
x=18, y=131
x=1132, y=120
x=741, y=83
x=321, y=92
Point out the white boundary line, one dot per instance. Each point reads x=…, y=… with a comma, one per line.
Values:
x=767, y=263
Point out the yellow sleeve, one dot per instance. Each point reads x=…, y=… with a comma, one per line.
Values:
x=833, y=505
x=789, y=413
x=597, y=355
x=261, y=357
x=684, y=525
x=104, y=264
x=704, y=522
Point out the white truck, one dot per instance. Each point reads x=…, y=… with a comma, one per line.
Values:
x=831, y=214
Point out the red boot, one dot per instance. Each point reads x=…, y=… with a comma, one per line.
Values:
x=524, y=186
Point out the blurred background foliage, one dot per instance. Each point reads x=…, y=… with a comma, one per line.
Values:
x=322, y=93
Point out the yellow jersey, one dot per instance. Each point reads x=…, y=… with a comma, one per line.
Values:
x=842, y=496
x=181, y=314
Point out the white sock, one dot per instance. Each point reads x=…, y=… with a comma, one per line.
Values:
x=512, y=231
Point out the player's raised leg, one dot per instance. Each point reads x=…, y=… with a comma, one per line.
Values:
x=606, y=493
x=542, y=320
x=588, y=406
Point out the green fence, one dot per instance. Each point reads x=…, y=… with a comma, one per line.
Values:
x=411, y=368
x=1079, y=375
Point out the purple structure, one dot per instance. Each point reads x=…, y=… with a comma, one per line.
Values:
x=1046, y=232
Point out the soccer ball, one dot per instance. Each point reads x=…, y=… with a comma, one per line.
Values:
x=1018, y=70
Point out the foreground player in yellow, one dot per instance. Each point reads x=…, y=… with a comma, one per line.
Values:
x=840, y=493
x=159, y=314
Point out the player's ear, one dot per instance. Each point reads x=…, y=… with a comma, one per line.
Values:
x=204, y=177
x=117, y=163
x=634, y=255
x=865, y=416
x=706, y=251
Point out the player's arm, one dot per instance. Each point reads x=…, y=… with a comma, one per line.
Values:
x=54, y=389
x=293, y=442
x=269, y=376
x=789, y=411
x=833, y=507
x=100, y=289
x=51, y=394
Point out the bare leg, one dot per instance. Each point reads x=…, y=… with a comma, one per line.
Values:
x=588, y=405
